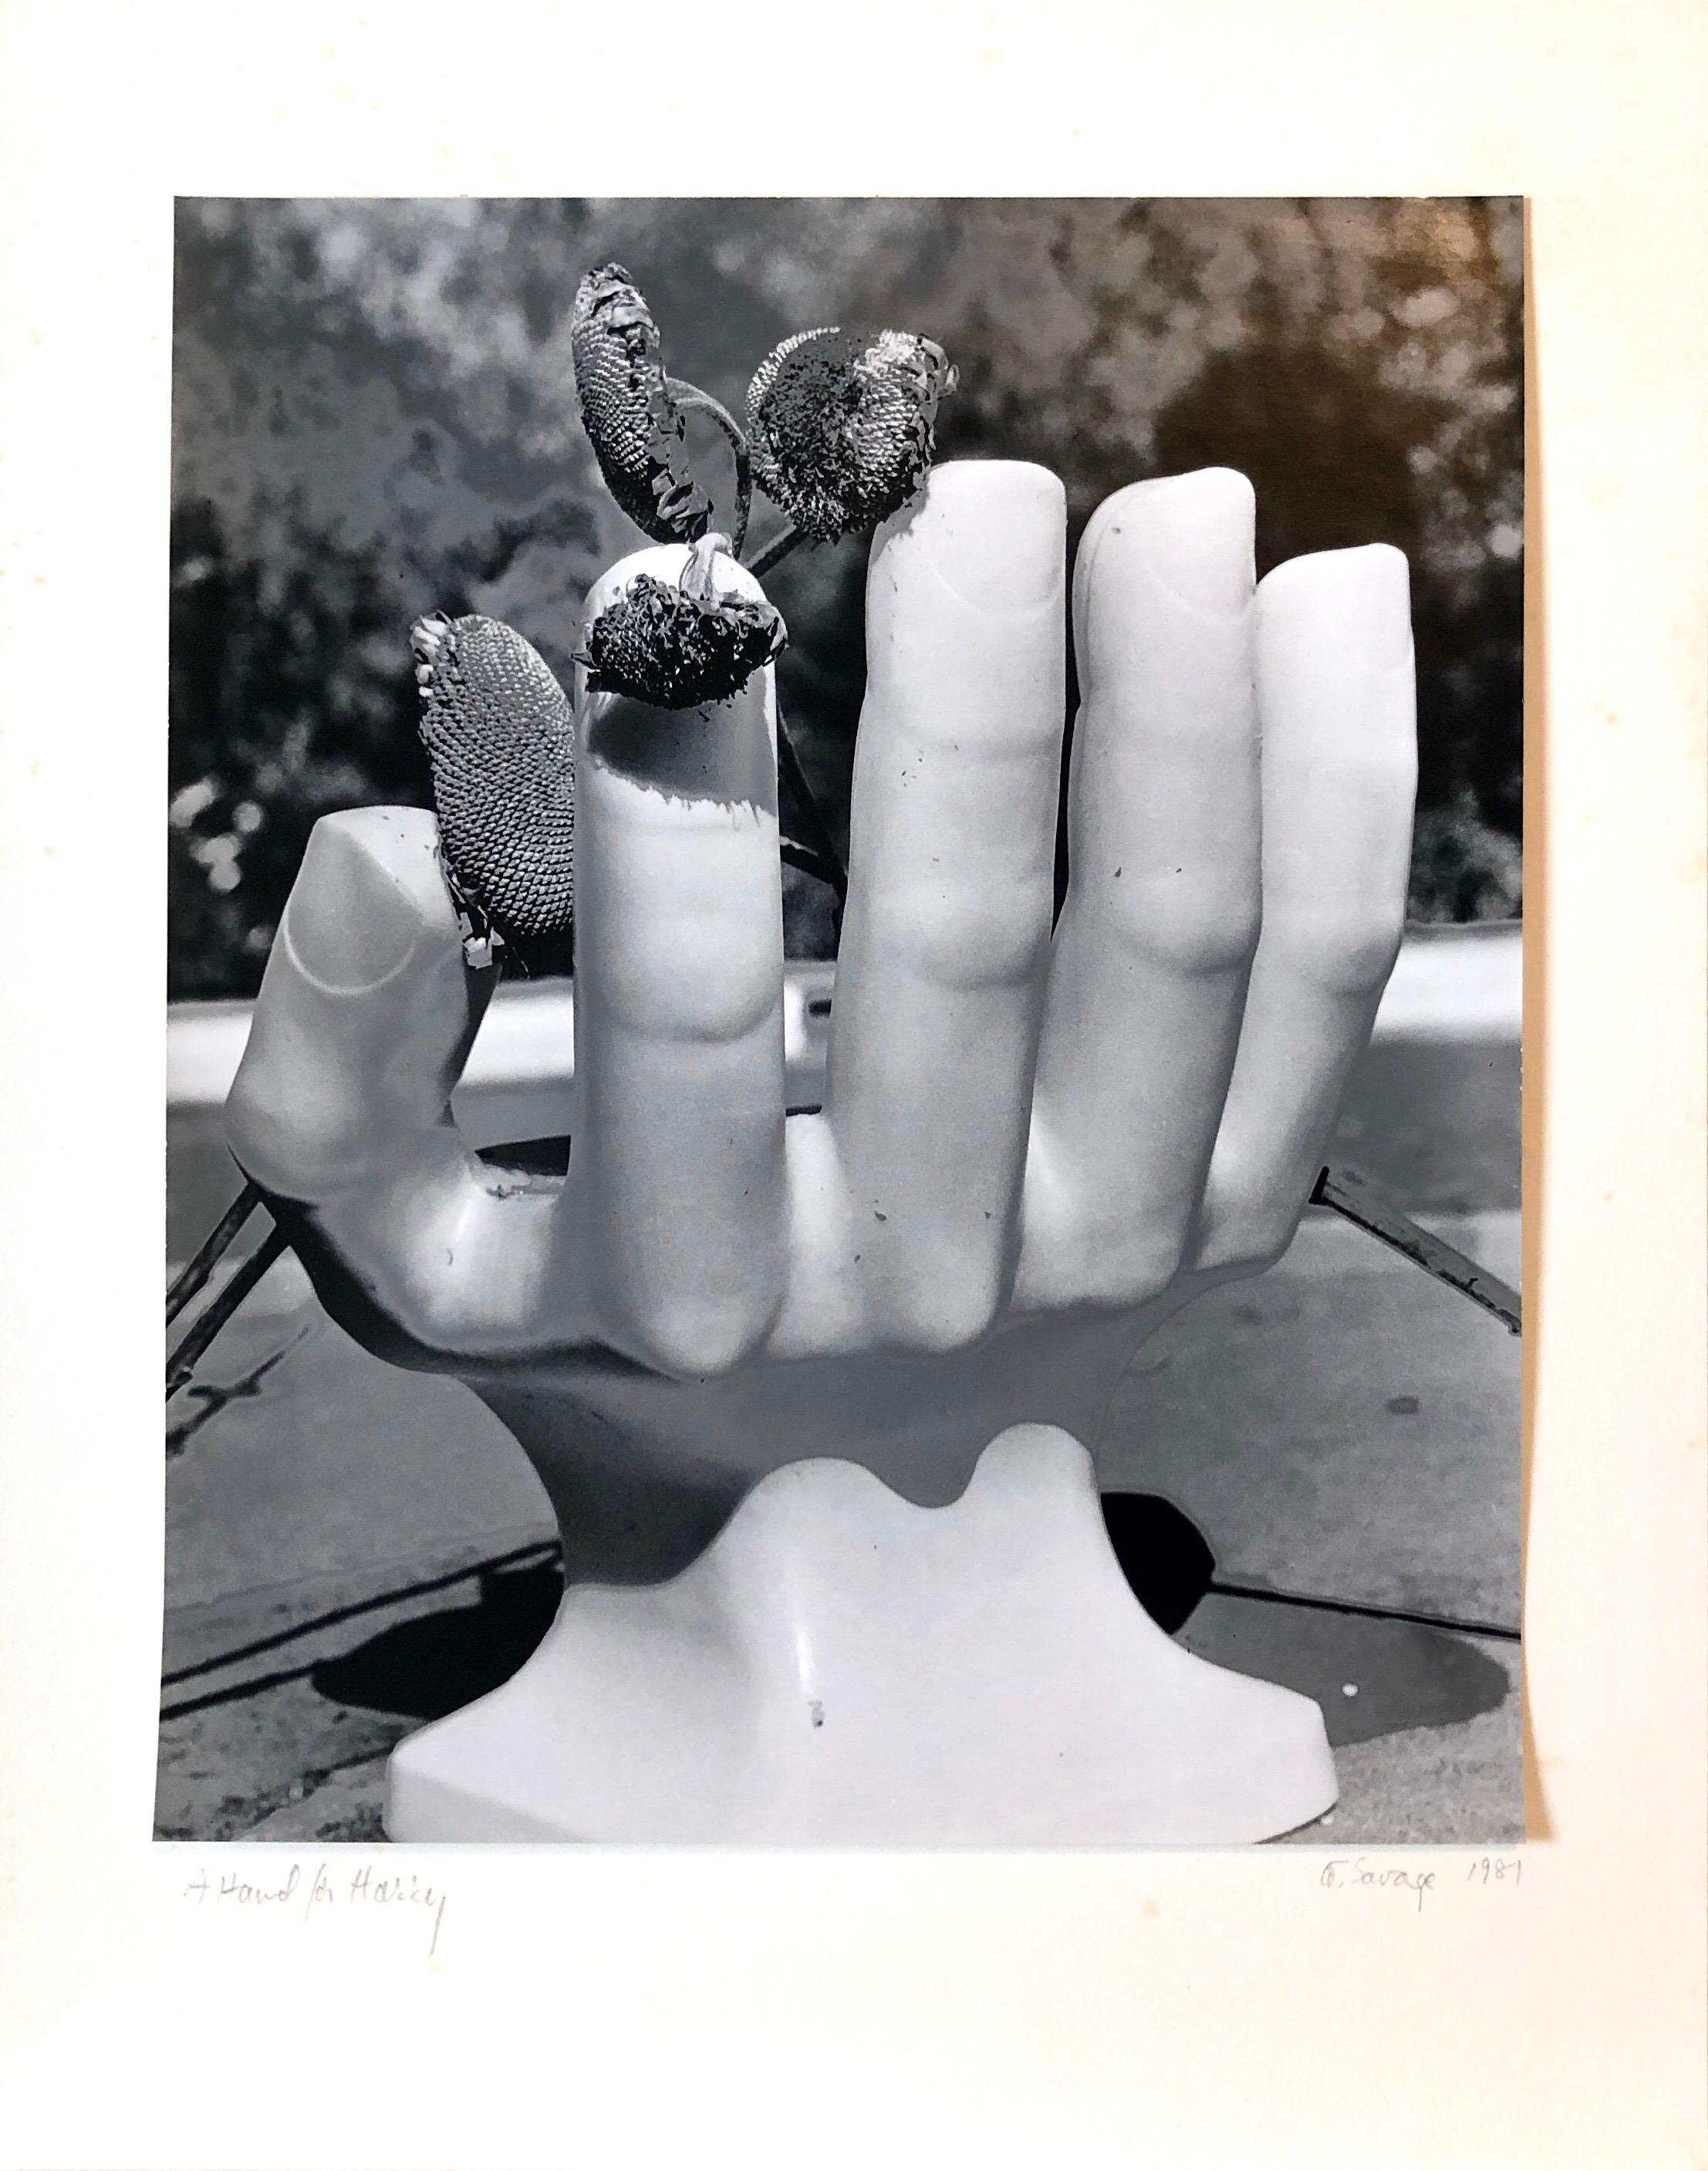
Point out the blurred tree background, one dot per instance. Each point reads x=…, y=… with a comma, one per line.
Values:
x=374, y=415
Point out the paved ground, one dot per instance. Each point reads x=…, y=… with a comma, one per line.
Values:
x=1341, y=1429
x=1343, y=1425
x=1340, y=1434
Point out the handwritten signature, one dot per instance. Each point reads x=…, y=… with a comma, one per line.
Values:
x=1359, y=1872
x=361, y=1888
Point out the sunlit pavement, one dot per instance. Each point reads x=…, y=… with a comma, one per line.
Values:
x=1343, y=1431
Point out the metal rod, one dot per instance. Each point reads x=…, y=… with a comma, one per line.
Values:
x=180, y=1367
x=194, y=1275
x=1342, y=1189
x=1497, y=1630
x=544, y=1548
x=1355, y=1197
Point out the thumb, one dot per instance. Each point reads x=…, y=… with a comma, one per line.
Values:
x=365, y=1015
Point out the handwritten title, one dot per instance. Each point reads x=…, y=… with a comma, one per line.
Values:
x=361, y=1888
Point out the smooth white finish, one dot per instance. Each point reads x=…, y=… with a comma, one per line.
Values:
x=840, y=1666
x=805, y=1395
x=1336, y=688
x=1152, y=954
x=952, y=882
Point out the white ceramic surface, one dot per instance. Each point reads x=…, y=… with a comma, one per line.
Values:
x=843, y=1667
x=760, y=1365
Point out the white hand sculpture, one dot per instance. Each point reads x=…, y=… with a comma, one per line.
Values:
x=728, y=1341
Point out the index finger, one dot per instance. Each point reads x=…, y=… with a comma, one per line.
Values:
x=676, y=1196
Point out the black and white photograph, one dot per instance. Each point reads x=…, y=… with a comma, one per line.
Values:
x=775, y=1247
x=928, y=960
x=844, y=1054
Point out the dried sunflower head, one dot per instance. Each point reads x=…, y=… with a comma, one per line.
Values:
x=841, y=425
x=632, y=414
x=501, y=741
x=681, y=644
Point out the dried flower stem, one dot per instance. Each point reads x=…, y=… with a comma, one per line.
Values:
x=194, y=1275
x=181, y=1365
x=809, y=862
x=819, y=841
x=776, y=550
x=691, y=400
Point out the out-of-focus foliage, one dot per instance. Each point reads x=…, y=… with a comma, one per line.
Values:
x=375, y=417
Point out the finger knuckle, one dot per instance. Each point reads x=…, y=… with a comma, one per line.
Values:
x=1135, y=1272
x=1105, y=1272
x=941, y=1322
x=1248, y=1230
x=714, y=977
x=299, y=1149
x=966, y=934
x=1186, y=920
x=1341, y=950
x=697, y=1343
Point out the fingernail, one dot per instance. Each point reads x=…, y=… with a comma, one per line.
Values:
x=1351, y=606
x=991, y=531
x=350, y=923
x=1195, y=534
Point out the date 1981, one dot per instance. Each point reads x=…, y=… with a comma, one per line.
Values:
x=1359, y=1872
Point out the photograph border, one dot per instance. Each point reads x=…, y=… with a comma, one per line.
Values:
x=1207, y=2011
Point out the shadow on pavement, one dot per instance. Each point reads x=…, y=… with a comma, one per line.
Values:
x=1372, y=1676
x=433, y=1665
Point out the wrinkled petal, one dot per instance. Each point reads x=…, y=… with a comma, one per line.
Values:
x=659, y=643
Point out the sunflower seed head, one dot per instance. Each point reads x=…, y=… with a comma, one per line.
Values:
x=842, y=425
x=501, y=744
x=681, y=644
x=638, y=432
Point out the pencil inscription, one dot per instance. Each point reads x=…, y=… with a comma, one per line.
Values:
x=1363, y=1873
x=230, y=1891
